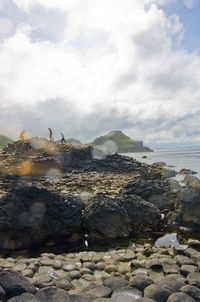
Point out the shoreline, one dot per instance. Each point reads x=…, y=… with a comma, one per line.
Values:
x=114, y=186
x=92, y=203
x=174, y=159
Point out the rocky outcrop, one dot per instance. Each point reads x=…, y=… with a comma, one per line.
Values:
x=187, y=171
x=188, y=207
x=31, y=217
x=14, y=284
x=157, y=192
x=108, y=218
x=192, y=181
x=40, y=182
x=180, y=204
x=37, y=217
x=36, y=157
x=144, y=216
x=145, y=188
x=105, y=218
x=165, y=172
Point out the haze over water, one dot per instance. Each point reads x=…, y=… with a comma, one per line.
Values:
x=175, y=159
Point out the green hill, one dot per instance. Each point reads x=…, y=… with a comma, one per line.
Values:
x=4, y=140
x=124, y=143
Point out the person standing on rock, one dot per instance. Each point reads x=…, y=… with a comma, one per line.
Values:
x=63, y=141
x=50, y=135
x=21, y=136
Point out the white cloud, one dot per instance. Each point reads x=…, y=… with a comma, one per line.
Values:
x=63, y=4
x=6, y=26
x=120, y=55
x=28, y=4
x=160, y=2
x=1, y=4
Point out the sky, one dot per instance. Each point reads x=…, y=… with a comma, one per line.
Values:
x=87, y=67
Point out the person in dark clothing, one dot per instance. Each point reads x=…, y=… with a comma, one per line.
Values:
x=21, y=136
x=50, y=135
x=63, y=138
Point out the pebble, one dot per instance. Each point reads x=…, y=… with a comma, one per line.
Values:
x=57, y=264
x=159, y=275
x=180, y=297
x=69, y=268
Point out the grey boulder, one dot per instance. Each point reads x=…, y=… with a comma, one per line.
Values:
x=35, y=216
x=108, y=218
x=15, y=284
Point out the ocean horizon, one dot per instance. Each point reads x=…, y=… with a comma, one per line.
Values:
x=175, y=159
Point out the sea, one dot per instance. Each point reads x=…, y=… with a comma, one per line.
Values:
x=175, y=159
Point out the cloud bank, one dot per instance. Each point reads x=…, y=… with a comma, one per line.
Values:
x=89, y=68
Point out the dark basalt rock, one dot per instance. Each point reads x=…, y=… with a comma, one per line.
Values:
x=115, y=283
x=2, y=294
x=155, y=191
x=30, y=216
x=180, y=297
x=52, y=294
x=143, y=300
x=172, y=282
x=108, y=218
x=188, y=207
x=181, y=205
x=156, y=293
x=26, y=297
x=83, y=298
x=104, y=218
x=15, y=284
x=100, y=291
x=192, y=291
x=140, y=282
x=37, y=156
x=145, y=188
x=143, y=215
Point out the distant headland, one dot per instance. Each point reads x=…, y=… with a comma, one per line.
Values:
x=4, y=140
x=123, y=142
